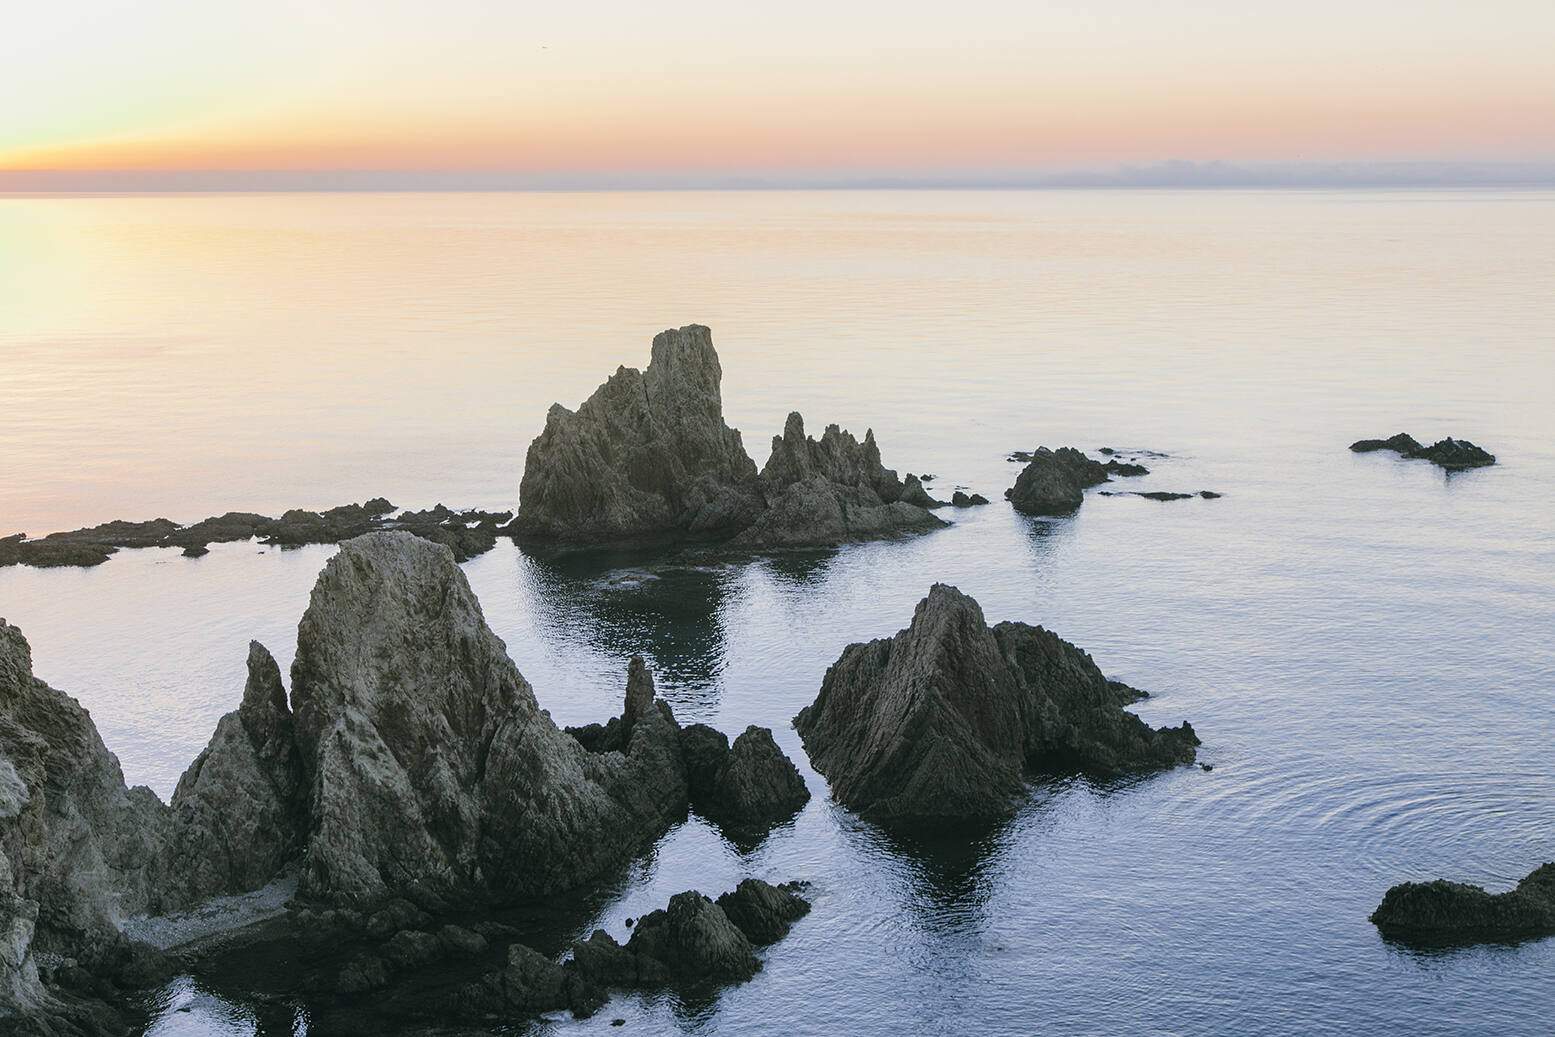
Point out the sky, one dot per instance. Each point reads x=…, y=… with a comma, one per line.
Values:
x=598, y=90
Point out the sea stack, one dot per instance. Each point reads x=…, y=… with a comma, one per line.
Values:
x=942, y=722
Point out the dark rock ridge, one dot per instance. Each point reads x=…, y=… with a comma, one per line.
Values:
x=466, y=533
x=412, y=764
x=1054, y=481
x=1451, y=454
x=749, y=786
x=960, y=499
x=819, y=493
x=648, y=460
x=1454, y=912
x=943, y=721
x=693, y=942
x=1162, y=495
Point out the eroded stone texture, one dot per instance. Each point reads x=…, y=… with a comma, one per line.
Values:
x=942, y=721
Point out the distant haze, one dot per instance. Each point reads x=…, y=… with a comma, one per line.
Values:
x=472, y=94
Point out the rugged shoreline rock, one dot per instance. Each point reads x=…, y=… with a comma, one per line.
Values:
x=467, y=533
x=1455, y=455
x=647, y=460
x=943, y=721
x=1054, y=481
x=1455, y=912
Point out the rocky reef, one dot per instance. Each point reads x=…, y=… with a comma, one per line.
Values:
x=1054, y=481
x=466, y=533
x=411, y=767
x=1163, y=495
x=943, y=721
x=1454, y=912
x=648, y=460
x=1455, y=455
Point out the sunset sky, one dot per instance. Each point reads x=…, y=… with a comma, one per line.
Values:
x=805, y=86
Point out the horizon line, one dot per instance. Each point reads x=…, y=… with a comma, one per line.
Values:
x=1166, y=174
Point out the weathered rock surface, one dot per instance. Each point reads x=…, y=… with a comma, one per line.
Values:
x=820, y=493
x=78, y=851
x=942, y=722
x=749, y=786
x=240, y=806
x=960, y=499
x=647, y=457
x=428, y=762
x=1054, y=481
x=648, y=460
x=1443, y=911
x=1451, y=454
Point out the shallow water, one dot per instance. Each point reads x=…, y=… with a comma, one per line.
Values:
x=1363, y=643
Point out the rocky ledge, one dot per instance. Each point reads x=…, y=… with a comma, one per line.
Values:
x=1054, y=481
x=467, y=533
x=943, y=721
x=648, y=460
x=1454, y=912
x=412, y=763
x=1455, y=455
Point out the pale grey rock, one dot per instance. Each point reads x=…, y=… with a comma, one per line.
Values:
x=240, y=805
x=647, y=457
x=428, y=763
x=943, y=721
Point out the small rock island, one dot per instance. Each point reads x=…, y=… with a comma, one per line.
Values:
x=1444, y=912
x=942, y=722
x=647, y=460
x=1455, y=455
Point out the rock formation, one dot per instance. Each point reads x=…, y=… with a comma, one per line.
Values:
x=941, y=722
x=1450, y=912
x=1054, y=481
x=832, y=491
x=1452, y=454
x=646, y=458
x=428, y=762
x=747, y=787
x=694, y=941
x=466, y=533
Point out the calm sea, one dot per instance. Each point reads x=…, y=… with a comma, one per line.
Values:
x=1364, y=644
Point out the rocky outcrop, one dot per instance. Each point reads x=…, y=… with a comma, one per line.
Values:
x=427, y=761
x=1163, y=495
x=1452, y=912
x=1452, y=454
x=820, y=493
x=942, y=722
x=78, y=851
x=693, y=942
x=747, y=787
x=240, y=808
x=466, y=533
x=961, y=499
x=1054, y=481
x=646, y=458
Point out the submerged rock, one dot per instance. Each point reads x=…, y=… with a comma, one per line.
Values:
x=943, y=721
x=1451, y=454
x=1163, y=495
x=1054, y=481
x=647, y=457
x=1443, y=911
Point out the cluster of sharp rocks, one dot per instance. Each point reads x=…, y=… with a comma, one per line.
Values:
x=408, y=789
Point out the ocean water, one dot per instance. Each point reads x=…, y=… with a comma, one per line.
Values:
x=1363, y=643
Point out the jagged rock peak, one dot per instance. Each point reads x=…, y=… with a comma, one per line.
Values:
x=942, y=721
x=646, y=457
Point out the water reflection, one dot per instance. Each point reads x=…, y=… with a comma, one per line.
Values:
x=670, y=611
